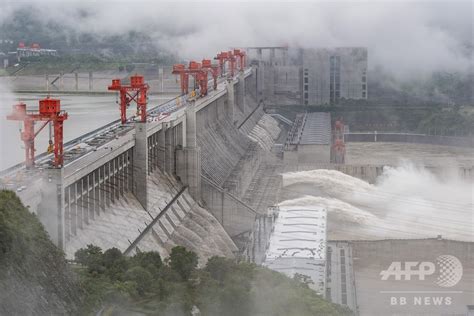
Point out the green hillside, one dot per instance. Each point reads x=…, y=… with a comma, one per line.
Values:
x=34, y=276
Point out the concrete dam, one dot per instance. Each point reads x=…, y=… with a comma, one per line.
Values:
x=183, y=178
x=222, y=174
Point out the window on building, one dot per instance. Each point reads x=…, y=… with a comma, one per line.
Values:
x=306, y=95
x=364, y=87
x=305, y=102
x=364, y=94
x=305, y=87
x=306, y=80
x=364, y=78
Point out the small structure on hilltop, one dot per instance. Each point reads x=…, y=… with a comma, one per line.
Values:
x=33, y=50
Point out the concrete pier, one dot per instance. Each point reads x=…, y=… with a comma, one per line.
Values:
x=50, y=210
x=140, y=164
x=240, y=93
x=230, y=104
x=189, y=156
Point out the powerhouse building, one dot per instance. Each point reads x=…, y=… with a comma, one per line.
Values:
x=310, y=76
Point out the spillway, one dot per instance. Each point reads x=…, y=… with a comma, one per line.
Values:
x=184, y=223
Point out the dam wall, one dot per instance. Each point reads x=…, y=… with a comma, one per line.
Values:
x=229, y=169
x=236, y=216
x=145, y=191
x=259, y=154
x=171, y=218
x=234, y=145
x=222, y=146
x=137, y=186
x=410, y=138
x=185, y=178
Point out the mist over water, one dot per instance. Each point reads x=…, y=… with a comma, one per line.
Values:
x=406, y=202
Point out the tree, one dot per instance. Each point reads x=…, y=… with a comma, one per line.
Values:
x=303, y=279
x=219, y=267
x=182, y=261
x=141, y=277
x=90, y=257
x=115, y=263
x=148, y=259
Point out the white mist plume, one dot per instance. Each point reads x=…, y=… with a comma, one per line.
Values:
x=406, y=202
x=407, y=37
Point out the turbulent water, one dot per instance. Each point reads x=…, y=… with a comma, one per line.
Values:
x=405, y=202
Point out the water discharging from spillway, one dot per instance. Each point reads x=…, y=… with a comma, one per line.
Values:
x=405, y=202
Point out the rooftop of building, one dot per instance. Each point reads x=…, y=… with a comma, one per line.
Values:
x=298, y=232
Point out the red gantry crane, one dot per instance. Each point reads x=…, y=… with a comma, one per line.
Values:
x=180, y=69
x=197, y=71
x=200, y=77
x=228, y=57
x=49, y=112
x=241, y=55
x=222, y=58
x=213, y=69
x=200, y=71
x=136, y=91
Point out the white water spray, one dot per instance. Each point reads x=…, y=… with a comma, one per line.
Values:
x=406, y=202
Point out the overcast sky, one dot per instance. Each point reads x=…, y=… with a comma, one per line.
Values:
x=407, y=37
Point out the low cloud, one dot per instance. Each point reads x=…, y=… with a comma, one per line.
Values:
x=409, y=38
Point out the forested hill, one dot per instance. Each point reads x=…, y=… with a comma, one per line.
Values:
x=24, y=24
x=35, y=279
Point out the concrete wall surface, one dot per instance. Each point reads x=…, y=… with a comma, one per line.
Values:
x=410, y=138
